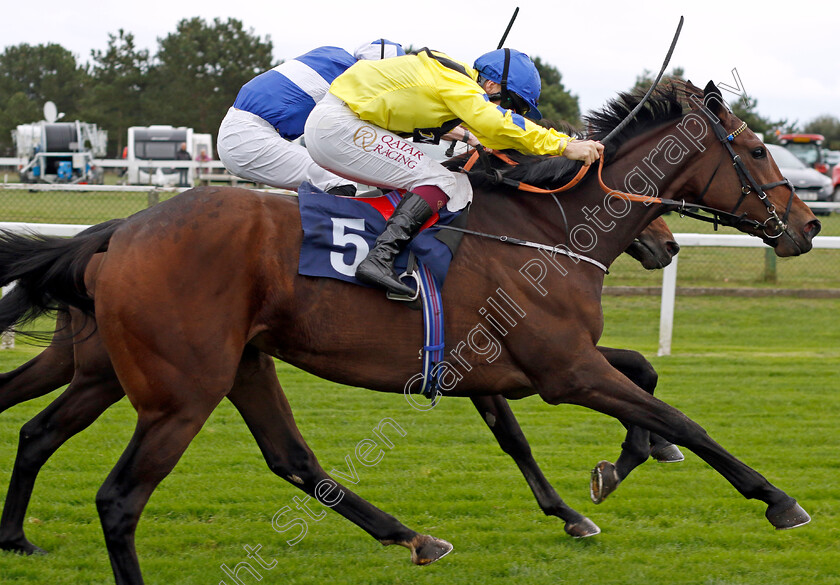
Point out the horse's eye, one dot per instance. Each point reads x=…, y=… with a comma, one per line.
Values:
x=759, y=152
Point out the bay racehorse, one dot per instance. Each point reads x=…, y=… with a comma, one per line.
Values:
x=94, y=388
x=193, y=294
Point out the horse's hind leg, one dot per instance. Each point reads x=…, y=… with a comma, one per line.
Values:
x=172, y=405
x=496, y=412
x=600, y=387
x=84, y=400
x=160, y=438
x=260, y=399
x=93, y=389
x=47, y=371
x=639, y=443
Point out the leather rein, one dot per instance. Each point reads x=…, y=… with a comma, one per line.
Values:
x=772, y=227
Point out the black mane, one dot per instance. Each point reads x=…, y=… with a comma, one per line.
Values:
x=663, y=106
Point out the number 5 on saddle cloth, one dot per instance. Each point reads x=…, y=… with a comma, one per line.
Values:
x=338, y=232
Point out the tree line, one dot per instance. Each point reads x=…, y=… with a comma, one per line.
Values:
x=193, y=78
x=745, y=107
x=190, y=80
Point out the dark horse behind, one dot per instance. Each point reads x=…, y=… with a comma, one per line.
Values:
x=192, y=295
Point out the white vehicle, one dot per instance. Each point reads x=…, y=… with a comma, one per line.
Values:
x=161, y=144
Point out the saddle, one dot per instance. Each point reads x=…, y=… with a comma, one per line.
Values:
x=338, y=232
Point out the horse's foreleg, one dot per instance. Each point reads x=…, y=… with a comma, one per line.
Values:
x=47, y=371
x=84, y=400
x=600, y=387
x=260, y=399
x=496, y=412
x=639, y=443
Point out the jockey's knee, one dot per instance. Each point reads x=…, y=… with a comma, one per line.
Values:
x=432, y=195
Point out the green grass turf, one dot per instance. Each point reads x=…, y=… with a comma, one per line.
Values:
x=71, y=206
x=759, y=374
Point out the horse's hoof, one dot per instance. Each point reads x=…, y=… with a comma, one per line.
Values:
x=21, y=546
x=668, y=453
x=603, y=481
x=582, y=528
x=790, y=517
x=428, y=549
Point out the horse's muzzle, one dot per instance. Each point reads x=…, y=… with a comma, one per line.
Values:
x=793, y=244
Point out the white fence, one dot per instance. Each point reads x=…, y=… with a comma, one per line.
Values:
x=212, y=170
x=669, y=276
x=84, y=188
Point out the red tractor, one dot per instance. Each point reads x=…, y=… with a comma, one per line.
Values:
x=807, y=148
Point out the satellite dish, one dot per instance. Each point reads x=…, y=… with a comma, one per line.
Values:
x=50, y=112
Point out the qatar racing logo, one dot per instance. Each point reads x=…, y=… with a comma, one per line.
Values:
x=365, y=137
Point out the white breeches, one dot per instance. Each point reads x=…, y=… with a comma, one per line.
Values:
x=341, y=142
x=251, y=148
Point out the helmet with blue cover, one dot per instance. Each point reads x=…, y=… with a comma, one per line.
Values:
x=517, y=75
x=378, y=49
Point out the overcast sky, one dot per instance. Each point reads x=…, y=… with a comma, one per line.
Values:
x=787, y=54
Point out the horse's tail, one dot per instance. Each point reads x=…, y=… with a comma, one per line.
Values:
x=49, y=272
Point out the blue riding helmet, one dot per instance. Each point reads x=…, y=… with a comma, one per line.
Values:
x=522, y=80
x=379, y=49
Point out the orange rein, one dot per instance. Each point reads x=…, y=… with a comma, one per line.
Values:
x=574, y=181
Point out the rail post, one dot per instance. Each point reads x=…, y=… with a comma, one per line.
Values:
x=666, y=311
x=7, y=338
x=769, y=265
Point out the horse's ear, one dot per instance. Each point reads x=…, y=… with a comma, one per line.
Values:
x=713, y=100
x=711, y=89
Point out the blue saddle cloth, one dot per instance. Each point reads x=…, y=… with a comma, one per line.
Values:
x=338, y=232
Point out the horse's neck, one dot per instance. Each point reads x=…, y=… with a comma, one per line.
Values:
x=646, y=165
x=658, y=164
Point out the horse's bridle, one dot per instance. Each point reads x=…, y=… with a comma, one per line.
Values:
x=773, y=226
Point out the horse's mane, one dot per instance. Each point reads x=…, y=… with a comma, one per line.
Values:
x=537, y=170
x=665, y=105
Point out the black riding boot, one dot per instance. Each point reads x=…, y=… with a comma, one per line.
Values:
x=378, y=267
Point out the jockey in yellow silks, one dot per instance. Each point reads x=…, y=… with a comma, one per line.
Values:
x=357, y=132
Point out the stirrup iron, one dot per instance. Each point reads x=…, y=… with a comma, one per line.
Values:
x=405, y=298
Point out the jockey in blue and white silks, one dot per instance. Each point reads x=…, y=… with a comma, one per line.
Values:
x=270, y=111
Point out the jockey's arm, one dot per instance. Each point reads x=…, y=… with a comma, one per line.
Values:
x=462, y=134
x=498, y=128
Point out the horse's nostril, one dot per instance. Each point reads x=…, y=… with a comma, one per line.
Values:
x=811, y=229
x=673, y=248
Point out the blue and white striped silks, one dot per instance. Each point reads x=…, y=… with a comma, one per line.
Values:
x=284, y=96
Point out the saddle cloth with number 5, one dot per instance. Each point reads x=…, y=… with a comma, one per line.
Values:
x=338, y=232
